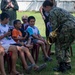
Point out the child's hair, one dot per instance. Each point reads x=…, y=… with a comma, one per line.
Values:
x=3, y=16
x=15, y=22
x=31, y=17
x=24, y=17
x=47, y=3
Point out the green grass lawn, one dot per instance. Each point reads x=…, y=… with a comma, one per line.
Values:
x=50, y=65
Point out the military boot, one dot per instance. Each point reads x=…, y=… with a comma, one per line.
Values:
x=61, y=67
x=68, y=66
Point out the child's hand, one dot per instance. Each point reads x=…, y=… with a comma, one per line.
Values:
x=22, y=43
x=44, y=41
x=7, y=34
x=26, y=36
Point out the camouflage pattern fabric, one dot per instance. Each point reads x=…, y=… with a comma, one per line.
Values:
x=66, y=36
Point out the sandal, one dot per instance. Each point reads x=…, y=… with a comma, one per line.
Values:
x=41, y=67
x=28, y=70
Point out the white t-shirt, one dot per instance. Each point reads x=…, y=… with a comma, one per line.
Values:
x=7, y=40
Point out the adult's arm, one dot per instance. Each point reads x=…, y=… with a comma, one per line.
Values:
x=3, y=5
x=53, y=20
x=41, y=11
x=16, y=7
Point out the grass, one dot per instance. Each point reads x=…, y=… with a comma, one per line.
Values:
x=50, y=65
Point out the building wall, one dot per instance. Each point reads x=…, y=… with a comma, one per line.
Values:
x=30, y=5
x=67, y=5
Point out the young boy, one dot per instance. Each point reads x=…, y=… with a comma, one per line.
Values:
x=24, y=24
x=5, y=45
x=36, y=37
x=17, y=36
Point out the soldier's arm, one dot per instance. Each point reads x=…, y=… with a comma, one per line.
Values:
x=53, y=20
x=16, y=7
x=3, y=5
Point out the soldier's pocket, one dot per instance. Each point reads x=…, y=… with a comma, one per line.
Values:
x=64, y=38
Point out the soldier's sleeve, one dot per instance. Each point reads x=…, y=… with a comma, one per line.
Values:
x=3, y=5
x=53, y=20
x=16, y=7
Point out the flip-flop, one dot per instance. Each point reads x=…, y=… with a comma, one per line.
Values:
x=28, y=70
x=41, y=67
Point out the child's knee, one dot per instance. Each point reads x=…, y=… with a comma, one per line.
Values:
x=26, y=49
x=13, y=48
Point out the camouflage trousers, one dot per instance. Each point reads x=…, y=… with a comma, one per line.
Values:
x=64, y=41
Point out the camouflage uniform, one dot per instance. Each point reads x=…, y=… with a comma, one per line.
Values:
x=66, y=36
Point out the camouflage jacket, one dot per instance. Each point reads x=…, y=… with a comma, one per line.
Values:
x=58, y=16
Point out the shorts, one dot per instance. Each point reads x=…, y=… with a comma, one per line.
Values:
x=16, y=44
x=6, y=47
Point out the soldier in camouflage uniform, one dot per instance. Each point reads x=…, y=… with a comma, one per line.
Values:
x=10, y=7
x=66, y=35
